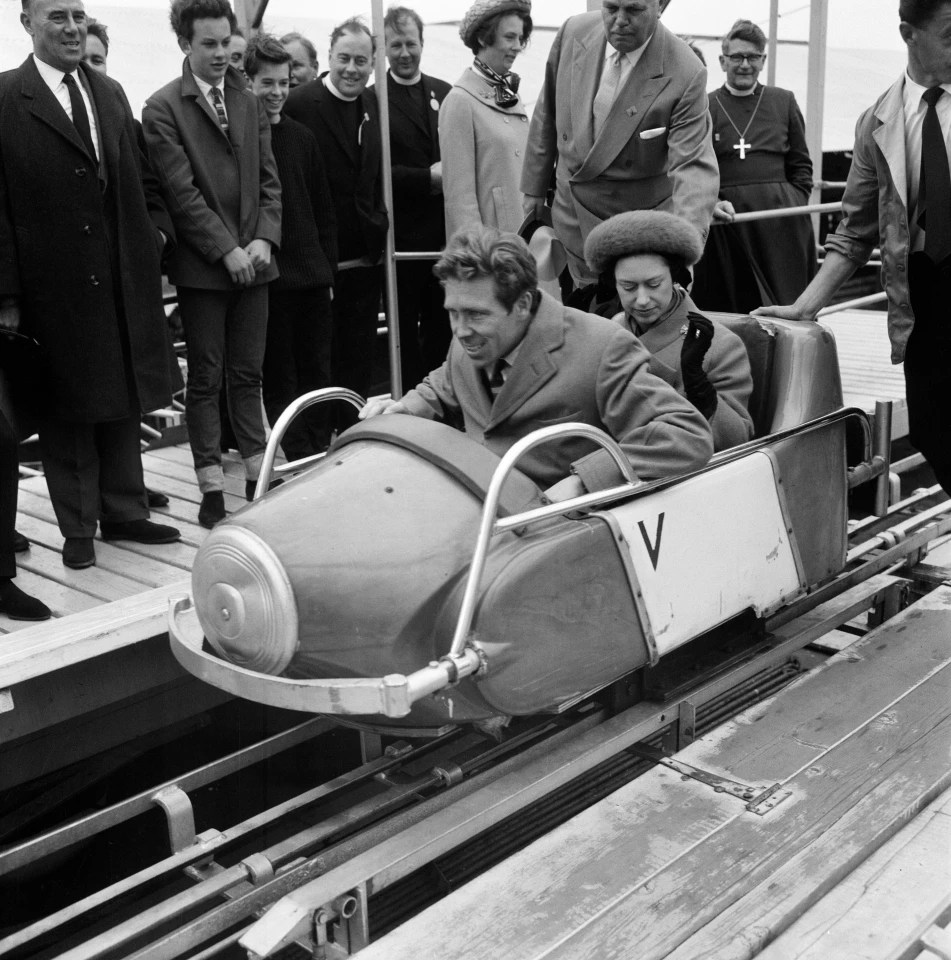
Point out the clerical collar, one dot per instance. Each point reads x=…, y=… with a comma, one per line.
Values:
x=329, y=85
x=741, y=93
x=406, y=83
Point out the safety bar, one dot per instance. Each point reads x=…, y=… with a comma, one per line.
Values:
x=488, y=526
x=290, y=413
x=390, y=696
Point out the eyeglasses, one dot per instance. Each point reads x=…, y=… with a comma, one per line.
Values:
x=753, y=59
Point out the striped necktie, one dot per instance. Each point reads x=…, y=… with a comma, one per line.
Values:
x=219, y=108
x=934, y=190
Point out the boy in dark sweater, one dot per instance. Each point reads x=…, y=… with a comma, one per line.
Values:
x=298, y=352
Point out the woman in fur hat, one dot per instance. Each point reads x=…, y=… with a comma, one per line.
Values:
x=644, y=253
x=483, y=124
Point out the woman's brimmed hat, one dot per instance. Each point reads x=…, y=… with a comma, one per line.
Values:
x=642, y=231
x=481, y=10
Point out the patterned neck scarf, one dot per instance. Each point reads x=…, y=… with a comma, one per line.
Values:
x=506, y=88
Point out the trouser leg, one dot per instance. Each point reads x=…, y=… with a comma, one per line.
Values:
x=122, y=493
x=203, y=314
x=927, y=362
x=71, y=465
x=245, y=337
x=9, y=479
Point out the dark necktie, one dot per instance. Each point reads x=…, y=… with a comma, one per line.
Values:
x=219, y=108
x=80, y=116
x=495, y=379
x=934, y=189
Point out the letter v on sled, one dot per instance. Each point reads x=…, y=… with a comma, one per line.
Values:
x=653, y=549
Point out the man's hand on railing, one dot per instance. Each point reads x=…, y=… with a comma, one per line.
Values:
x=724, y=212
x=381, y=405
x=566, y=489
x=792, y=312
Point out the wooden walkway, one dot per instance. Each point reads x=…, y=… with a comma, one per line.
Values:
x=853, y=864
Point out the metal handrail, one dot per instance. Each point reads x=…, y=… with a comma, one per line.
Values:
x=850, y=304
x=487, y=526
x=285, y=420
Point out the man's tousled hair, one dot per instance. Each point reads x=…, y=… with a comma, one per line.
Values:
x=304, y=42
x=184, y=13
x=264, y=49
x=396, y=17
x=477, y=252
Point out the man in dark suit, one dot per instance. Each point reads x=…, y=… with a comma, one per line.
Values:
x=622, y=124
x=343, y=117
x=210, y=144
x=79, y=272
x=419, y=218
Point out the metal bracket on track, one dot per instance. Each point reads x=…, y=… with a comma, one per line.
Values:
x=759, y=800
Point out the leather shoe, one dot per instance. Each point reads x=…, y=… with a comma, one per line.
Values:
x=141, y=531
x=156, y=499
x=20, y=543
x=212, y=508
x=78, y=552
x=18, y=605
x=251, y=485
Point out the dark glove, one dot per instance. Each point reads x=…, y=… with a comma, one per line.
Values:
x=697, y=388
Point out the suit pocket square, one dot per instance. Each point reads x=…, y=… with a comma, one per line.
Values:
x=650, y=134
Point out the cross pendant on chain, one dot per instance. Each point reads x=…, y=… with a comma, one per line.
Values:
x=742, y=146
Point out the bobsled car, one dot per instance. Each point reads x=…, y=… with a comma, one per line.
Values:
x=412, y=578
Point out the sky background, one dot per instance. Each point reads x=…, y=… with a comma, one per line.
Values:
x=864, y=54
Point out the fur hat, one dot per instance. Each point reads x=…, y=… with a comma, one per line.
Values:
x=642, y=231
x=481, y=10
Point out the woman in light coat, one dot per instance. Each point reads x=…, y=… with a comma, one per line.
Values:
x=483, y=124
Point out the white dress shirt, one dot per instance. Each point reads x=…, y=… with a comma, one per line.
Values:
x=915, y=109
x=53, y=78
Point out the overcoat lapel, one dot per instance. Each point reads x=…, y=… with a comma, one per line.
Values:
x=533, y=366
x=642, y=87
x=191, y=89
x=890, y=137
x=584, y=84
x=46, y=108
x=432, y=116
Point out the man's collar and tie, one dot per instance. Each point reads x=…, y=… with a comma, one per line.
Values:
x=215, y=96
x=73, y=97
x=927, y=116
x=615, y=70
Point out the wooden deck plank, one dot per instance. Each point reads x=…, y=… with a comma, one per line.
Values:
x=884, y=905
x=655, y=863
x=43, y=648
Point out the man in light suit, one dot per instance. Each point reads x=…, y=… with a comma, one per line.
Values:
x=621, y=124
x=79, y=273
x=520, y=360
x=899, y=195
x=209, y=141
